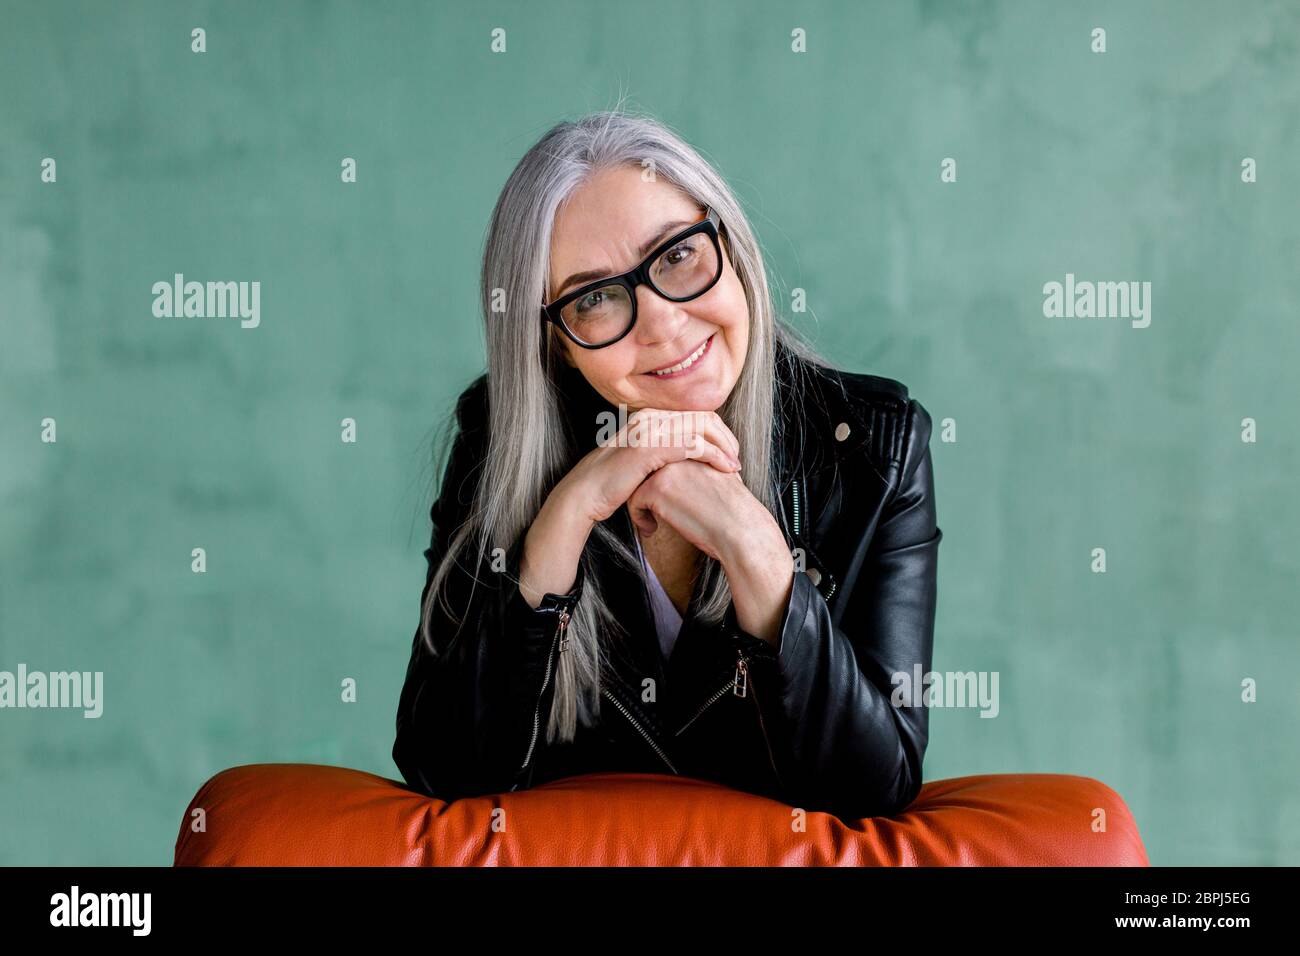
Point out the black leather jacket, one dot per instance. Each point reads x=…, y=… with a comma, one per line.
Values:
x=810, y=724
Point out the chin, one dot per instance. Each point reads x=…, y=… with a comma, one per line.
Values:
x=695, y=397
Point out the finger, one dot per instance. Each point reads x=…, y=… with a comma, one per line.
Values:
x=644, y=519
x=730, y=435
x=632, y=432
x=703, y=450
x=720, y=440
x=715, y=429
x=663, y=440
x=658, y=427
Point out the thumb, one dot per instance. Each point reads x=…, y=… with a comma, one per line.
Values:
x=645, y=520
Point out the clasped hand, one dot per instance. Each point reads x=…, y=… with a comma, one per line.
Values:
x=684, y=468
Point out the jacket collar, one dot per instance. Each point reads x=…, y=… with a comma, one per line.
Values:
x=820, y=422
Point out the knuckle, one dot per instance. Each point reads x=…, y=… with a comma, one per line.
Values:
x=639, y=419
x=665, y=477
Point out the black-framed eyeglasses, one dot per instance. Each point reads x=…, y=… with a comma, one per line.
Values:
x=679, y=269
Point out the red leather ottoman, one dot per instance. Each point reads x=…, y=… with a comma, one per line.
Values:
x=311, y=815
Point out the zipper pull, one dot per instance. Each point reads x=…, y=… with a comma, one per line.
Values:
x=564, y=630
x=742, y=675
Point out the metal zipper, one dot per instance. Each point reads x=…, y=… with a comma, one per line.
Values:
x=794, y=504
x=562, y=638
x=635, y=723
x=742, y=686
x=739, y=683
x=707, y=704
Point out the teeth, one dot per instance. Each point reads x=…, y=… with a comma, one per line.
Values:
x=686, y=362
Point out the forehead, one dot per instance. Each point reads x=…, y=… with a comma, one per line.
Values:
x=602, y=225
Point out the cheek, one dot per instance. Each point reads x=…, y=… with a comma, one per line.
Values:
x=732, y=308
x=607, y=369
x=731, y=314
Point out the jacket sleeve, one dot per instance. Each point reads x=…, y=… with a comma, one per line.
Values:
x=844, y=746
x=471, y=719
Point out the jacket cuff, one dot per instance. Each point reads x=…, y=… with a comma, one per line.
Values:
x=796, y=609
x=532, y=627
x=795, y=625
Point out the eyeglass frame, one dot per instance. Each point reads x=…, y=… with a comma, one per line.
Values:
x=711, y=224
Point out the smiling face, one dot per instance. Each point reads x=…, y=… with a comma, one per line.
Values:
x=602, y=229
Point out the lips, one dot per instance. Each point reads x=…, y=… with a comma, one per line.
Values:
x=685, y=363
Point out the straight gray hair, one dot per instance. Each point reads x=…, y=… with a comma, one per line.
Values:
x=527, y=450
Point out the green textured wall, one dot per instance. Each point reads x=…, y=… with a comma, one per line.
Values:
x=1071, y=433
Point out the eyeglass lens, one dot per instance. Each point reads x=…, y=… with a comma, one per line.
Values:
x=681, y=271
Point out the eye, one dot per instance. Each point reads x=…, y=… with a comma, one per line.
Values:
x=672, y=258
x=589, y=301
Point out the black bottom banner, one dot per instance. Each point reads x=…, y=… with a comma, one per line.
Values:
x=647, y=905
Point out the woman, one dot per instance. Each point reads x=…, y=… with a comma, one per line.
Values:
x=669, y=537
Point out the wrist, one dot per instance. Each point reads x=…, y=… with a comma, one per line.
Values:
x=760, y=572
x=567, y=507
x=552, y=548
x=763, y=572
x=755, y=548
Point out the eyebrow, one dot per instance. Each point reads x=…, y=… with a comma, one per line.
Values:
x=591, y=275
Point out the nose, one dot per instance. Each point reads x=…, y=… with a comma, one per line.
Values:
x=658, y=320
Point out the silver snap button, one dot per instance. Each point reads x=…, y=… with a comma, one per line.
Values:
x=814, y=575
x=841, y=431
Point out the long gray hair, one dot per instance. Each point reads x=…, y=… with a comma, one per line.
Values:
x=527, y=449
